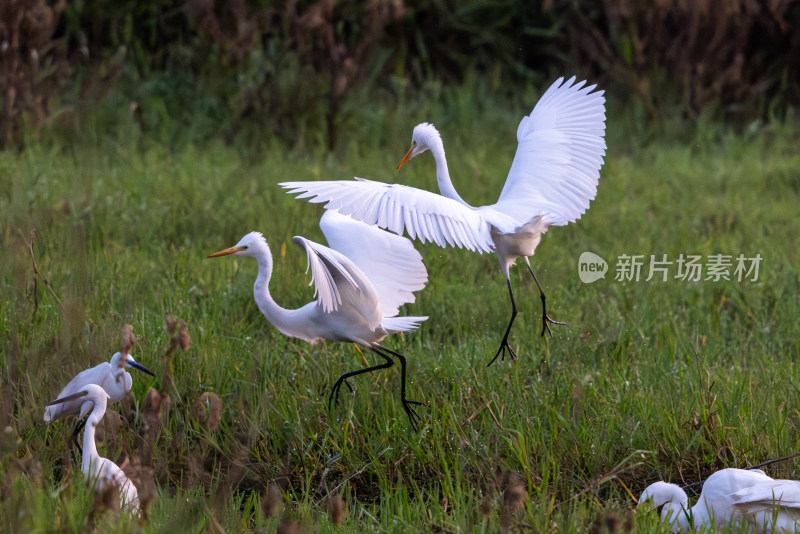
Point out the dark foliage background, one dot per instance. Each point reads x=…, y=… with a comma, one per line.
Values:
x=246, y=69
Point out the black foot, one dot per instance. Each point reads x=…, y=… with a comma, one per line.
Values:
x=334, y=398
x=413, y=416
x=501, y=352
x=546, y=322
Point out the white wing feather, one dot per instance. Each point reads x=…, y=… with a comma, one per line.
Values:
x=388, y=260
x=768, y=495
x=772, y=507
x=554, y=174
x=333, y=274
x=561, y=147
x=93, y=375
x=424, y=215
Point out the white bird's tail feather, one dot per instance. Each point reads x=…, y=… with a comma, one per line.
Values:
x=402, y=324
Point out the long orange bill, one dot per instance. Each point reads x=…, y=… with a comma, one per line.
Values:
x=226, y=252
x=407, y=156
x=69, y=398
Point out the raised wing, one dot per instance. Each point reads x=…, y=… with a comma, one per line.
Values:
x=335, y=278
x=424, y=215
x=561, y=148
x=390, y=261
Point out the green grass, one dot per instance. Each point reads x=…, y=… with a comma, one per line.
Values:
x=650, y=380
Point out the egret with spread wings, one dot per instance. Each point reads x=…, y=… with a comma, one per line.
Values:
x=361, y=281
x=552, y=179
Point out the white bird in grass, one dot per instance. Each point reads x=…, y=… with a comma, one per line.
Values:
x=101, y=472
x=111, y=376
x=362, y=280
x=552, y=179
x=715, y=506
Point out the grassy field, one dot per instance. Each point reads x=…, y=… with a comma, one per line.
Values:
x=649, y=380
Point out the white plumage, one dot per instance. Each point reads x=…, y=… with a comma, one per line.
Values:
x=101, y=472
x=360, y=282
x=721, y=503
x=111, y=376
x=552, y=179
x=770, y=505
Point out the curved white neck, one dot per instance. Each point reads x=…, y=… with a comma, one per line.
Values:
x=677, y=515
x=90, y=455
x=281, y=318
x=443, y=174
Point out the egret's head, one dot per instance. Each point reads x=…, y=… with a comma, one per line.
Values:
x=120, y=362
x=95, y=396
x=668, y=499
x=117, y=361
x=424, y=137
x=252, y=245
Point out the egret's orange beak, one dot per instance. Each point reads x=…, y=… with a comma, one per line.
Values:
x=226, y=252
x=407, y=156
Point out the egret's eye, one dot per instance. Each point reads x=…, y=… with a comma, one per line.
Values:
x=244, y=247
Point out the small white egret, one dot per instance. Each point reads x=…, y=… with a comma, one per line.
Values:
x=552, y=179
x=111, y=376
x=361, y=280
x=715, y=506
x=101, y=472
x=770, y=505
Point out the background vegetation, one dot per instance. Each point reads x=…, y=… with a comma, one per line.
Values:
x=141, y=138
x=301, y=70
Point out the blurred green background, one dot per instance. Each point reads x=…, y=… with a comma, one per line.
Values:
x=308, y=73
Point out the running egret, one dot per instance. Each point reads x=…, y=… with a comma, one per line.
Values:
x=361, y=280
x=771, y=505
x=714, y=506
x=111, y=376
x=552, y=179
x=100, y=472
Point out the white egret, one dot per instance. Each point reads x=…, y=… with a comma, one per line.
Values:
x=552, y=179
x=361, y=281
x=715, y=506
x=101, y=472
x=770, y=505
x=111, y=376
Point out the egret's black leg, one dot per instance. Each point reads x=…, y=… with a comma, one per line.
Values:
x=73, y=439
x=74, y=443
x=413, y=416
x=504, y=344
x=334, y=398
x=545, y=318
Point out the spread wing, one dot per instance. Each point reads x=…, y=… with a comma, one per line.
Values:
x=424, y=215
x=561, y=147
x=388, y=260
x=335, y=278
